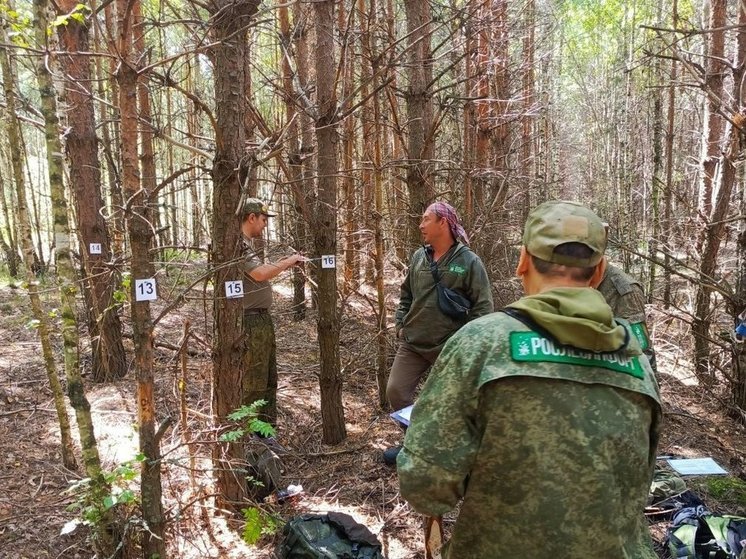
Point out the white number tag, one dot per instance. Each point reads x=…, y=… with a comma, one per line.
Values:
x=145, y=290
x=328, y=261
x=234, y=289
x=94, y=248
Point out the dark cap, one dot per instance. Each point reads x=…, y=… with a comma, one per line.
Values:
x=558, y=222
x=255, y=206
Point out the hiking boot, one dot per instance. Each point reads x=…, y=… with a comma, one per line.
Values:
x=390, y=454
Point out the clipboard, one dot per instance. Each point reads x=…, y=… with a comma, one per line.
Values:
x=403, y=415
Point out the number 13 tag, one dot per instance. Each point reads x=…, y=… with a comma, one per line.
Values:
x=145, y=290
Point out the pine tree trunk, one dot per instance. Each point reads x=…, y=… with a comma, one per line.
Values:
x=419, y=113
x=10, y=246
x=295, y=157
x=710, y=237
x=738, y=389
x=140, y=236
x=712, y=135
x=229, y=23
x=81, y=144
x=325, y=226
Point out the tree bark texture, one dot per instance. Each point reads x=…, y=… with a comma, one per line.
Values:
x=66, y=275
x=418, y=97
x=325, y=227
x=299, y=213
x=712, y=234
x=140, y=236
x=712, y=135
x=81, y=144
x=229, y=24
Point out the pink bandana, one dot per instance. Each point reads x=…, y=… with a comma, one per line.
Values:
x=447, y=212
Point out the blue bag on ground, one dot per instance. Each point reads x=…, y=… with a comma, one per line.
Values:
x=334, y=535
x=696, y=533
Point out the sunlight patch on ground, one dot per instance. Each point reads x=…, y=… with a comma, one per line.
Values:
x=115, y=428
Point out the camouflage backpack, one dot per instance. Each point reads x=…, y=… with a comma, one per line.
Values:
x=334, y=535
x=696, y=533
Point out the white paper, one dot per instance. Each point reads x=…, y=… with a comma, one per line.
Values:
x=696, y=466
x=403, y=415
x=328, y=261
x=94, y=248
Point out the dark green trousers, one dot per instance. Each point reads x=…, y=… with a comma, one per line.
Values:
x=259, y=364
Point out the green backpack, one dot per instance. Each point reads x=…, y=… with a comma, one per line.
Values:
x=696, y=533
x=334, y=535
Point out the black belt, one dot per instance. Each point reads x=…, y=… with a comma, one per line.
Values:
x=256, y=311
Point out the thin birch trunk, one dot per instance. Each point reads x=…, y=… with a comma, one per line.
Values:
x=66, y=275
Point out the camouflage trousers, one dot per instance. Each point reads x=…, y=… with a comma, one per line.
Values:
x=259, y=363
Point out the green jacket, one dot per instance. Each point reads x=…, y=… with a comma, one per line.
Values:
x=424, y=326
x=551, y=447
x=625, y=296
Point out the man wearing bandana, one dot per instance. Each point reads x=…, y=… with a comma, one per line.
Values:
x=421, y=327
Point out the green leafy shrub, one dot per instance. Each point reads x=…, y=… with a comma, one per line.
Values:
x=258, y=524
x=248, y=422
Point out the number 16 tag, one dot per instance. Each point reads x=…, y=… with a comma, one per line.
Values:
x=145, y=290
x=328, y=261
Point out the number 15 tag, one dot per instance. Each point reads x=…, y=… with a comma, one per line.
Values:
x=234, y=289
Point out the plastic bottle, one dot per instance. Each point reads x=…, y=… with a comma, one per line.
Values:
x=284, y=494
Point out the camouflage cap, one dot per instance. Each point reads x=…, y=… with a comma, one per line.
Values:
x=255, y=206
x=557, y=222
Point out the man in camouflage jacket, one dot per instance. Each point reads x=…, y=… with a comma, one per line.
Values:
x=544, y=419
x=625, y=296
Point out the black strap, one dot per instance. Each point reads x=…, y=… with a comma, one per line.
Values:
x=432, y=263
x=523, y=318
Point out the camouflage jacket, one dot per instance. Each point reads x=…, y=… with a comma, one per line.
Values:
x=551, y=447
x=625, y=296
x=424, y=326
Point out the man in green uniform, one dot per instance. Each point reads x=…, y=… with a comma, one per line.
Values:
x=544, y=418
x=421, y=325
x=625, y=296
x=259, y=360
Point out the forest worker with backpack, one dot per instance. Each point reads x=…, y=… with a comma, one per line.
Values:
x=543, y=417
x=425, y=318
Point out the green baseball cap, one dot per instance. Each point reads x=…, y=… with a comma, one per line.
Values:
x=255, y=206
x=558, y=222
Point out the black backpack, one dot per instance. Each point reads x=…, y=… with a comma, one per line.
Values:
x=334, y=535
x=696, y=533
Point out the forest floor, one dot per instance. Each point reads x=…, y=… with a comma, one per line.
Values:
x=35, y=503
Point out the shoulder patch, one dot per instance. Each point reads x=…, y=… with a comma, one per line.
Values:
x=456, y=269
x=533, y=347
x=640, y=332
